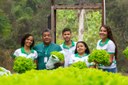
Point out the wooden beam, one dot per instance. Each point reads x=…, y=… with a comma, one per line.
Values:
x=54, y=7
x=84, y=6
x=53, y=23
x=103, y=13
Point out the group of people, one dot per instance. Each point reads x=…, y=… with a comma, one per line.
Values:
x=73, y=51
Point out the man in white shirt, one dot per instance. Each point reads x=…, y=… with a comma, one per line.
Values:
x=68, y=46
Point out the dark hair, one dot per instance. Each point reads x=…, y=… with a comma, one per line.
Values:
x=87, y=49
x=66, y=29
x=46, y=30
x=24, y=38
x=110, y=36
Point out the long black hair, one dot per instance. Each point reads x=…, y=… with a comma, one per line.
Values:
x=24, y=38
x=87, y=51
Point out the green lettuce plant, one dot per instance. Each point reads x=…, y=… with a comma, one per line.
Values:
x=65, y=76
x=125, y=52
x=79, y=65
x=22, y=64
x=99, y=57
x=58, y=54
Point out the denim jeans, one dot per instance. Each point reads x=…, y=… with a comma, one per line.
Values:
x=113, y=70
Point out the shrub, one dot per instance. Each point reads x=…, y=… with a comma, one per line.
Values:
x=22, y=64
x=125, y=52
x=99, y=57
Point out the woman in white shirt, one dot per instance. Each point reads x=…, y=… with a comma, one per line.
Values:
x=26, y=49
x=107, y=43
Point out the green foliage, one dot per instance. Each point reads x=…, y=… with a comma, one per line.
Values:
x=92, y=25
x=22, y=64
x=5, y=26
x=58, y=54
x=69, y=18
x=79, y=65
x=66, y=18
x=117, y=18
x=125, y=52
x=22, y=12
x=100, y=57
x=65, y=76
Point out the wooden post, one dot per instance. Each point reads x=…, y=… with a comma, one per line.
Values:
x=103, y=13
x=52, y=2
x=52, y=23
x=55, y=26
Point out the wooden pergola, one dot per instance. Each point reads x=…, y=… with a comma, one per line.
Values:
x=55, y=7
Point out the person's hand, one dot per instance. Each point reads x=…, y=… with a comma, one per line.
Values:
x=58, y=64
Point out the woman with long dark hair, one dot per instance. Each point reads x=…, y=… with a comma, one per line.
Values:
x=107, y=43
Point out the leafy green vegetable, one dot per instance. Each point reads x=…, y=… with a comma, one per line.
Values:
x=65, y=76
x=58, y=54
x=22, y=64
x=79, y=65
x=100, y=57
x=125, y=52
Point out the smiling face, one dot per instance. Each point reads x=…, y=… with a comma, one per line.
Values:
x=80, y=48
x=103, y=33
x=67, y=36
x=46, y=37
x=29, y=41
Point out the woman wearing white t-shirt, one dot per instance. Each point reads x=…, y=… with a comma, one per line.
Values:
x=26, y=50
x=107, y=43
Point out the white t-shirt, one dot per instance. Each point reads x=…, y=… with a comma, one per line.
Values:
x=110, y=48
x=21, y=52
x=68, y=52
x=74, y=59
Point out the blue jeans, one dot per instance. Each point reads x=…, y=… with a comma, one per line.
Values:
x=113, y=70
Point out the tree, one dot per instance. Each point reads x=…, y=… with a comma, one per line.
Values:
x=117, y=18
x=81, y=25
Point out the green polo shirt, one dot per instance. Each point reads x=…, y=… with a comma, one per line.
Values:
x=44, y=53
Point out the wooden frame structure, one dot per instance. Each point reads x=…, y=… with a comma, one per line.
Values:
x=54, y=7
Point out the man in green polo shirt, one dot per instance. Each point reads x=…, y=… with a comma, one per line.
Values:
x=45, y=48
x=68, y=46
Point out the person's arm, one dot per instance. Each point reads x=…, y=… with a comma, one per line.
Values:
x=111, y=51
x=35, y=58
x=15, y=54
x=92, y=65
x=111, y=58
x=35, y=61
